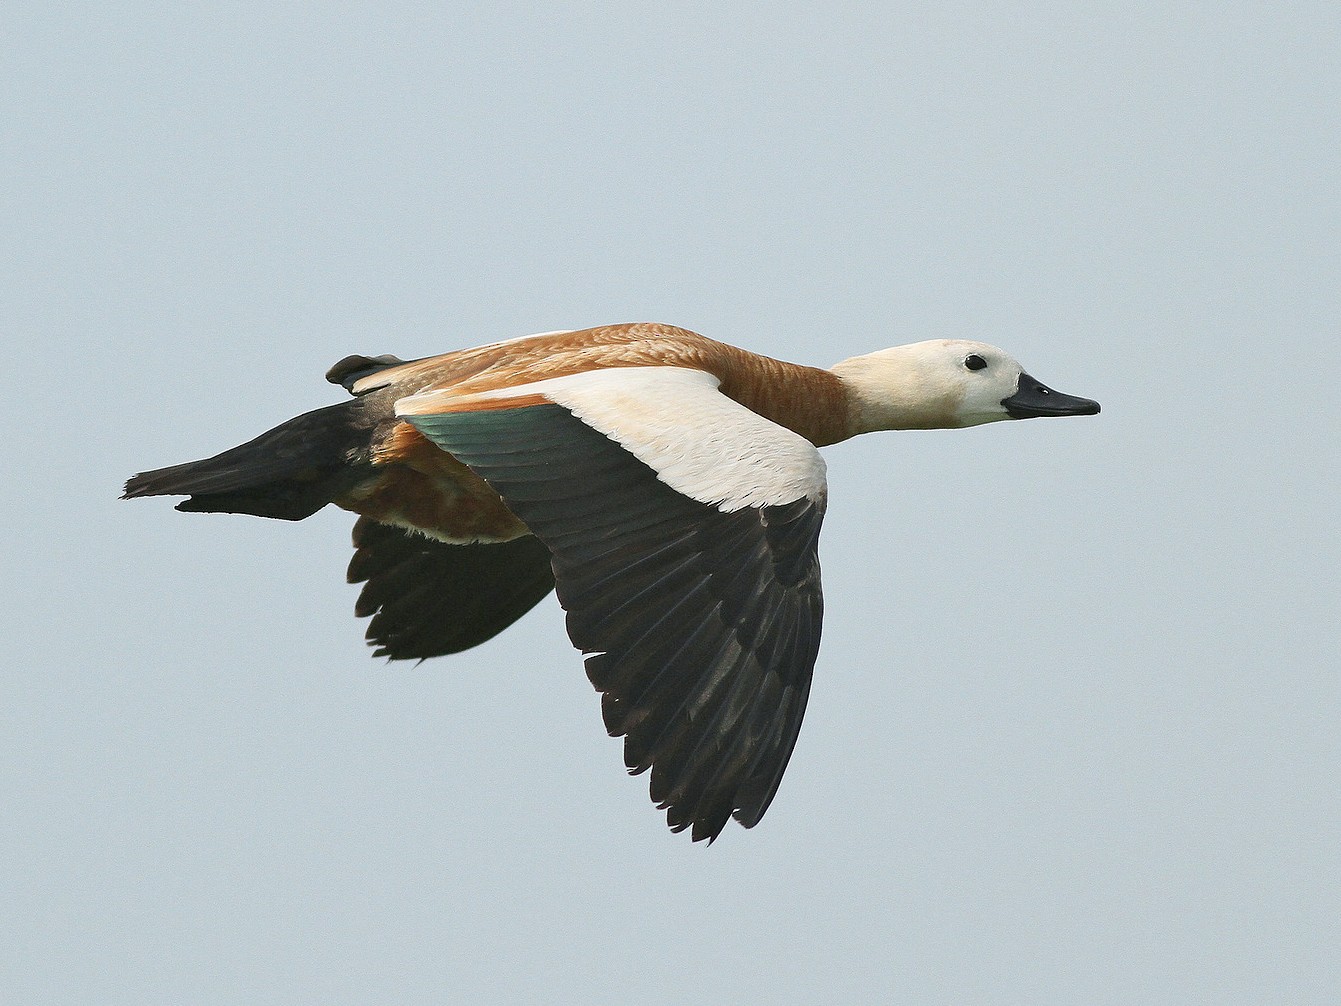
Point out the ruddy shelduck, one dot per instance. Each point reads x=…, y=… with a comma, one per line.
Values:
x=667, y=485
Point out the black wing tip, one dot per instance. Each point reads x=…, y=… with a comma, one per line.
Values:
x=385, y=650
x=705, y=810
x=706, y=826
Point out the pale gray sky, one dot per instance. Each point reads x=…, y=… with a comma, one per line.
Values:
x=1074, y=731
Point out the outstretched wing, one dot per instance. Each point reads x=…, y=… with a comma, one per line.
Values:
x=428, y=597
x=683, y=529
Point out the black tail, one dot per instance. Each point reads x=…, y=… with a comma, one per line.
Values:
x=290, y=472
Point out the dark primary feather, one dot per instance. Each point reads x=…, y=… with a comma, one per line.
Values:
x=702, y=626
x=428, y=598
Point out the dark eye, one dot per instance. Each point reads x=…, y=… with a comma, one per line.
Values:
x=974, y=362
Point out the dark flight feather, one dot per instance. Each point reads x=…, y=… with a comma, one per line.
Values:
x=428, y=597
x=701, y=626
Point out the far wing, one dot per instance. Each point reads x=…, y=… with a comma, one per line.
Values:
x=429, y=597
x=683, y=529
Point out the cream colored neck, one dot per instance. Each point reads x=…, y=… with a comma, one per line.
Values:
x=894, y=390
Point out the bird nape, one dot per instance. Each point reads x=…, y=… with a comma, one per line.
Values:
x=667, y=485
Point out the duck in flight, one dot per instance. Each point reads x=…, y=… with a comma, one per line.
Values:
x=667, y=485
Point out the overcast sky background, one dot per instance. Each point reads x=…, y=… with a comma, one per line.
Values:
x=1074, y=730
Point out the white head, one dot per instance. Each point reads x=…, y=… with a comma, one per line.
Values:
x=946, y=384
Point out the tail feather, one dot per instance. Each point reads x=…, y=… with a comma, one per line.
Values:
x=289, y=472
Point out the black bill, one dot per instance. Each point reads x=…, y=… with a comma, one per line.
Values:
x=1033, y=399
